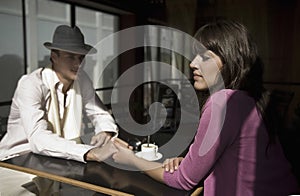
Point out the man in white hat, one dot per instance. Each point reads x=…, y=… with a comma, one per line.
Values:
x=46, y=110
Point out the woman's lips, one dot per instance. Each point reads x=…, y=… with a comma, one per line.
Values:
x=197, y=75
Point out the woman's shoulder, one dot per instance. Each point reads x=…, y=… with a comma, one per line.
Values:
x=230, y=93
x=230, y=96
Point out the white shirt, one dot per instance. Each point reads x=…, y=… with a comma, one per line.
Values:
x=28, y=128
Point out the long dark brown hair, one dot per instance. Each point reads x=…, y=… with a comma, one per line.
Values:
x=242, y=67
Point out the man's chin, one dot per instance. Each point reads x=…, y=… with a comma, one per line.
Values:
x=73, y=77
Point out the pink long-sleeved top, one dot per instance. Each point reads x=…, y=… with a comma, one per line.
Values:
x=230, y=152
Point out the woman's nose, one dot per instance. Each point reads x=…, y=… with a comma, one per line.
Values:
x=193, y=65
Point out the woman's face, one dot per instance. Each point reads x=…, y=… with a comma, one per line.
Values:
x=205, y=68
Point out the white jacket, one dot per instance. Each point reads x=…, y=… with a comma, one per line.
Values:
x=28, y=129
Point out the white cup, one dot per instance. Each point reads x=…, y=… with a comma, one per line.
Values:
x=149, y=151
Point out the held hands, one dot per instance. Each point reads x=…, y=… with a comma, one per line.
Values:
x=172, y=164
x=101, y=153
x=124, y=154
x=101, y=139
x=111, y=147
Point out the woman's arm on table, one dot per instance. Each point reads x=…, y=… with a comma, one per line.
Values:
x=126, y=156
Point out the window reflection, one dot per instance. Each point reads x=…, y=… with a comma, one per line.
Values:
x=11, y=50
x=41, y=20
x=95, y=26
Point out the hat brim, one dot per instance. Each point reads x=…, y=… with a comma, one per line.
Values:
x=85, y=49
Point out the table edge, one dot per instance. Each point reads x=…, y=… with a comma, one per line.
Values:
x=62, y=179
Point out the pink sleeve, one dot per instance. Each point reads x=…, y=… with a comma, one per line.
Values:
x=207, y=146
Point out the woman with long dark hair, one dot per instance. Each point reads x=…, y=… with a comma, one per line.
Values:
x=235, y=150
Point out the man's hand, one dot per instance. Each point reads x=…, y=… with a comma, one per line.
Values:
x=101, y=138
x=172, y=164
x=101, y=153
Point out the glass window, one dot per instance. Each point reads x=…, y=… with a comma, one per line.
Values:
x=43, y=16
x=95, y=26
x=169, y=38
x=11, y=50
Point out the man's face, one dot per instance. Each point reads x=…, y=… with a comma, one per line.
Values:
x=66, y=65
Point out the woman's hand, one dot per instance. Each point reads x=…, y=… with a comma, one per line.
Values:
x=124, y=154
x=122, y=143
x=172, y=164
x=100, y=139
